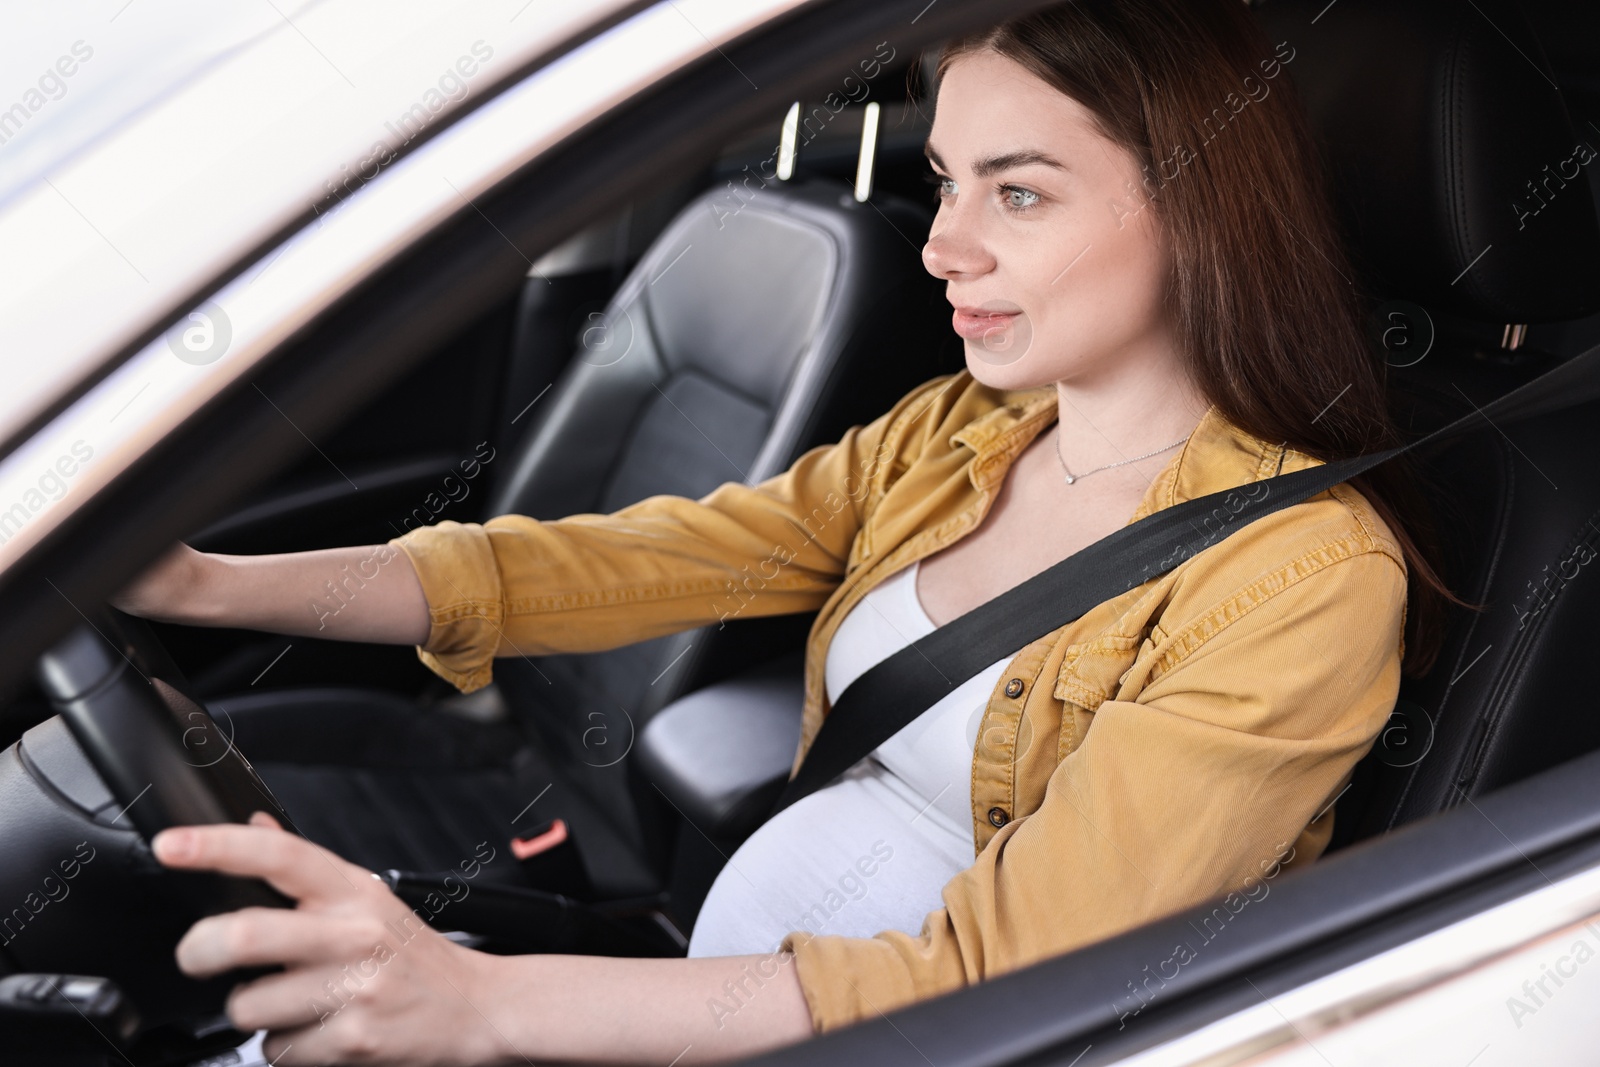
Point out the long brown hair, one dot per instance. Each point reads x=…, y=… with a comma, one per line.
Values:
x=1262, y=292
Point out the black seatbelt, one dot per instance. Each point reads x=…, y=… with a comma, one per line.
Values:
x=893, y=692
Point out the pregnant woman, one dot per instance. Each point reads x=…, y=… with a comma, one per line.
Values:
x=1143, y=266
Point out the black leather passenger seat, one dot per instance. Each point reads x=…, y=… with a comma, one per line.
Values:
x=740, y=339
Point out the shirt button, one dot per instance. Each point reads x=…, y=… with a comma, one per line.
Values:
x=998, y=817
x=1014, y=687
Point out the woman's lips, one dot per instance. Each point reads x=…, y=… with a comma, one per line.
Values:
x=974, y=324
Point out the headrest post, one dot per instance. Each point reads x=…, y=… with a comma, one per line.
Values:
x=1514, y=335
x=869, y=151
x=788, y=141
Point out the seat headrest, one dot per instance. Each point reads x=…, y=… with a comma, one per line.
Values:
x=767, y=272
x=1462, y=183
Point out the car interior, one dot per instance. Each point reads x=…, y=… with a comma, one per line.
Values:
x=716, y=325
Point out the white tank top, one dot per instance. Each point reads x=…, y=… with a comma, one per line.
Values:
x=871, y=851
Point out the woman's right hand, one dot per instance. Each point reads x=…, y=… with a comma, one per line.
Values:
x=160, y=591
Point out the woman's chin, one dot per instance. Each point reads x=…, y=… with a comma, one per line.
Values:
x=1017, y=373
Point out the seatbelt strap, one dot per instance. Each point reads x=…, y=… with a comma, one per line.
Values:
x=893, y=692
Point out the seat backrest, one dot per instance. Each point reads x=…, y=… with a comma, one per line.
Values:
x=1456, y=165
x=763, y=321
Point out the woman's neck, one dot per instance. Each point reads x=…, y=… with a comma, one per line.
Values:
x=1127, y=414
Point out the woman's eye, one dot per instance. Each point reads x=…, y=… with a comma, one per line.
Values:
x=946, y=186
x=1019, y=199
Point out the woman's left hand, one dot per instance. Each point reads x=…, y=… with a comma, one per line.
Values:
x=364, y=978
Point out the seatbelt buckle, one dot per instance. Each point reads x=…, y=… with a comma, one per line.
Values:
x=551, y=861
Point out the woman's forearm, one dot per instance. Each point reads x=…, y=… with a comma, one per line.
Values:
x=599, y=1009
x=361, y=593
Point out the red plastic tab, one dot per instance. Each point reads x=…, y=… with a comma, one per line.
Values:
x=524, y=848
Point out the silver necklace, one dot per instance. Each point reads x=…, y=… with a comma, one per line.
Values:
x=1065, y=470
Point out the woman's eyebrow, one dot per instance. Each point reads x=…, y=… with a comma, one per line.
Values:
x=983, y=168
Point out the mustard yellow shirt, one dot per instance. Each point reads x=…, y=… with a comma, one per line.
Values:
x=1183, y=741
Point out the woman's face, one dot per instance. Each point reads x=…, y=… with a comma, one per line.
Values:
x=1055, y=263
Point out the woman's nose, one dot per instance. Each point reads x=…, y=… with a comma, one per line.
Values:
x=953, y=250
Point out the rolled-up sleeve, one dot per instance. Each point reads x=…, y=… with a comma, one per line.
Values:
x=1198, y=787
x=455, y=562
x=519, y=586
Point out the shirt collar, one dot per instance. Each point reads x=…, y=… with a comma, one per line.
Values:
x=998, y=435
x=1216, y=456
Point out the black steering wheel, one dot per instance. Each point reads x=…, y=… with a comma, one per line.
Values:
x=129, y=754
x=158, y=750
